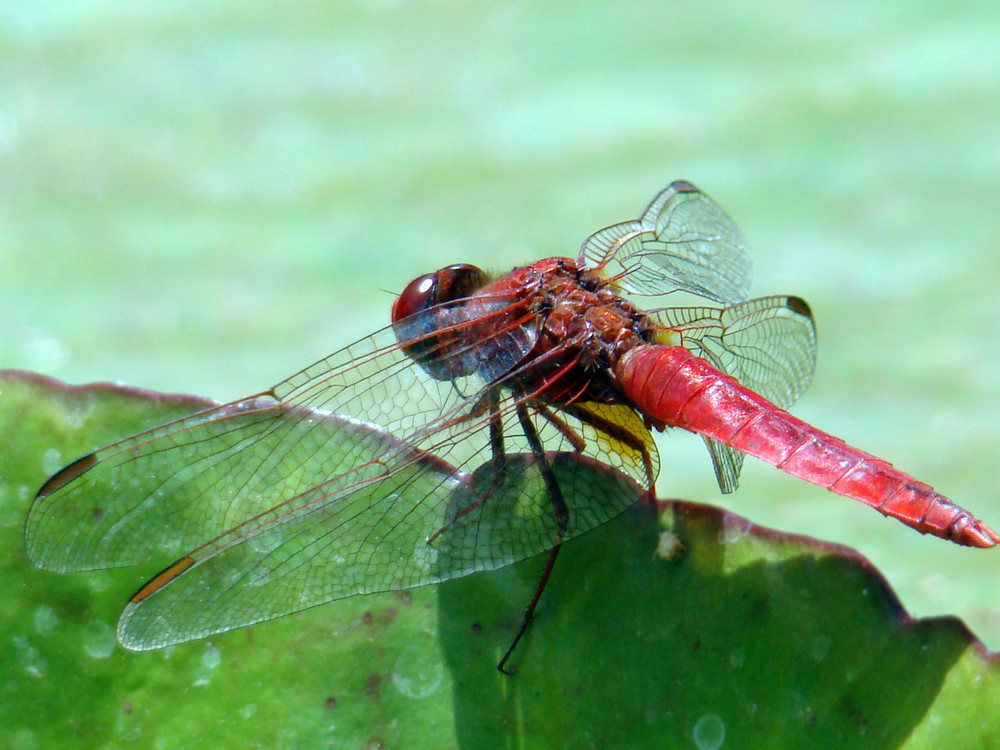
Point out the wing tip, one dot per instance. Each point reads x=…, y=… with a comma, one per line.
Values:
x=161, y=579
x=799, y=305
x=683, y=186
x=67, y=474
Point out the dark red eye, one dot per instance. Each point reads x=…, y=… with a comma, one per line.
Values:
x=415, y=297
x=446, y=285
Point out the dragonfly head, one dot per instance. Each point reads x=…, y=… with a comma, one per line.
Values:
x=446, y=285
x=422, y=317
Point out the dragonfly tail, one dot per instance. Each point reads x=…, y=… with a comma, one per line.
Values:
x=672, y=385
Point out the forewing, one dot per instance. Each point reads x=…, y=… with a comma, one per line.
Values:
x=768, y=344
x=330, y=484
x=175, y=486
x=683, y=241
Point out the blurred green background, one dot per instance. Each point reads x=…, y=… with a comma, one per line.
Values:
x=204, y=197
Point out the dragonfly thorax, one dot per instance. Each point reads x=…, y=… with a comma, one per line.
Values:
x=552, y=327
x=582, y=327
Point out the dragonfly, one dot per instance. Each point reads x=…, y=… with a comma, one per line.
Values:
x=494, y=419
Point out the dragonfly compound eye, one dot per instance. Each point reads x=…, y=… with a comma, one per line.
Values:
x=421, y=311
x=416, y=297
x=446, y=285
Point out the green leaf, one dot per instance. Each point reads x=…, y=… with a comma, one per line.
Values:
x=743, y=638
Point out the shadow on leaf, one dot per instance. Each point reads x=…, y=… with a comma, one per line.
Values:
x=757, y=639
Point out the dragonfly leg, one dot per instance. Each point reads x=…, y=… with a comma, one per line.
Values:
x=561, y=513
x=549, y=565
x=573, y=437
x=559, y=508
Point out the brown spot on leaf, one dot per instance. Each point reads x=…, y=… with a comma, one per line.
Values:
x=373, y=685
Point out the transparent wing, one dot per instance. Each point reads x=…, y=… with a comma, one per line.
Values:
x=374, y=540
x=332, y=482
x=768, y=344
x=683, y=241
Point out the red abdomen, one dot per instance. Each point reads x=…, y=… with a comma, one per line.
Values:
x=673, y=386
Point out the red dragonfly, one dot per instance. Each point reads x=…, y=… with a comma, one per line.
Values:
x=482, y=427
